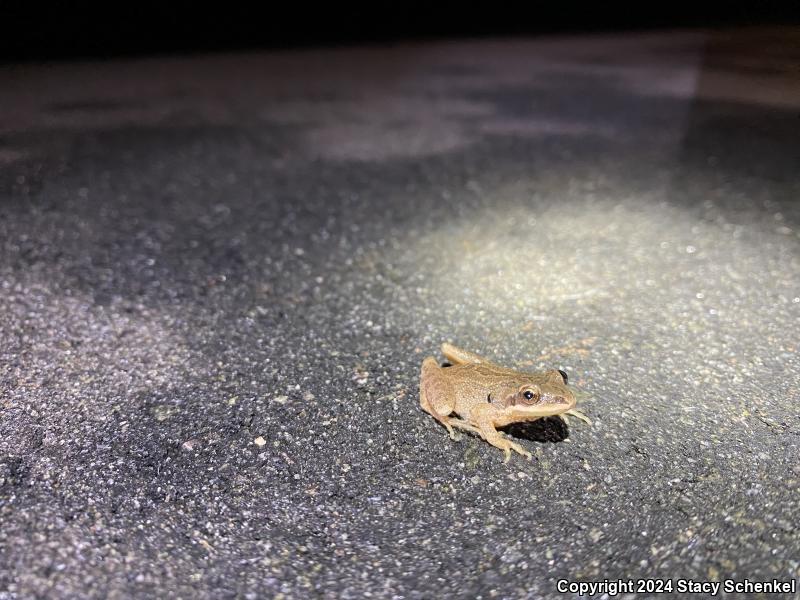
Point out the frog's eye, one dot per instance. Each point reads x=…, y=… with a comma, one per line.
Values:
x=564, y=376
x=530, y=396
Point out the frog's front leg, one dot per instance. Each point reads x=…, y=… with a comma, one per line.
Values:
x=435, y=394
x=483, y=416
x=465, y=425
x=577, y=414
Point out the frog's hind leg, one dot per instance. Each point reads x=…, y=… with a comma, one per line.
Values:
x=459, y=356
x=435, y=395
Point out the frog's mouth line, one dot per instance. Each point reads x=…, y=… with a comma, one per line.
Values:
x=547, y=410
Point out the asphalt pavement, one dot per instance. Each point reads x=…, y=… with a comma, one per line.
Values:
x=220, y=274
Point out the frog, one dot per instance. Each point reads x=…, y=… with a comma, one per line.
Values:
x=484, y=396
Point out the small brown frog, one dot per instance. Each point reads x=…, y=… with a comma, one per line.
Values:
x=486, y=396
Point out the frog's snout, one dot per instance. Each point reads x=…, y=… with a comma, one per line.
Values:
x=565, y=399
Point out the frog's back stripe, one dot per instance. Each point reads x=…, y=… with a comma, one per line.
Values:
x=458, y=356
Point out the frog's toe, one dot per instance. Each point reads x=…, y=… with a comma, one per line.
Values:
x=508, y=446
x=520, y=450
x=577, y=414
x=455, y=435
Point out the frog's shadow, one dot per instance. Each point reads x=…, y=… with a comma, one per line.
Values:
x=547, y=429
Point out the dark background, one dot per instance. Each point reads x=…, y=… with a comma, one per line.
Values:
x=48, y=31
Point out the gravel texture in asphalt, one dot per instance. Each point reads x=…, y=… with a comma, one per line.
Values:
x=219, y=276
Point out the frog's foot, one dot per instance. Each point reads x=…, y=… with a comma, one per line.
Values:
x=483, y=415
x=446, y=422
x=577, y=414
x=506, y=445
